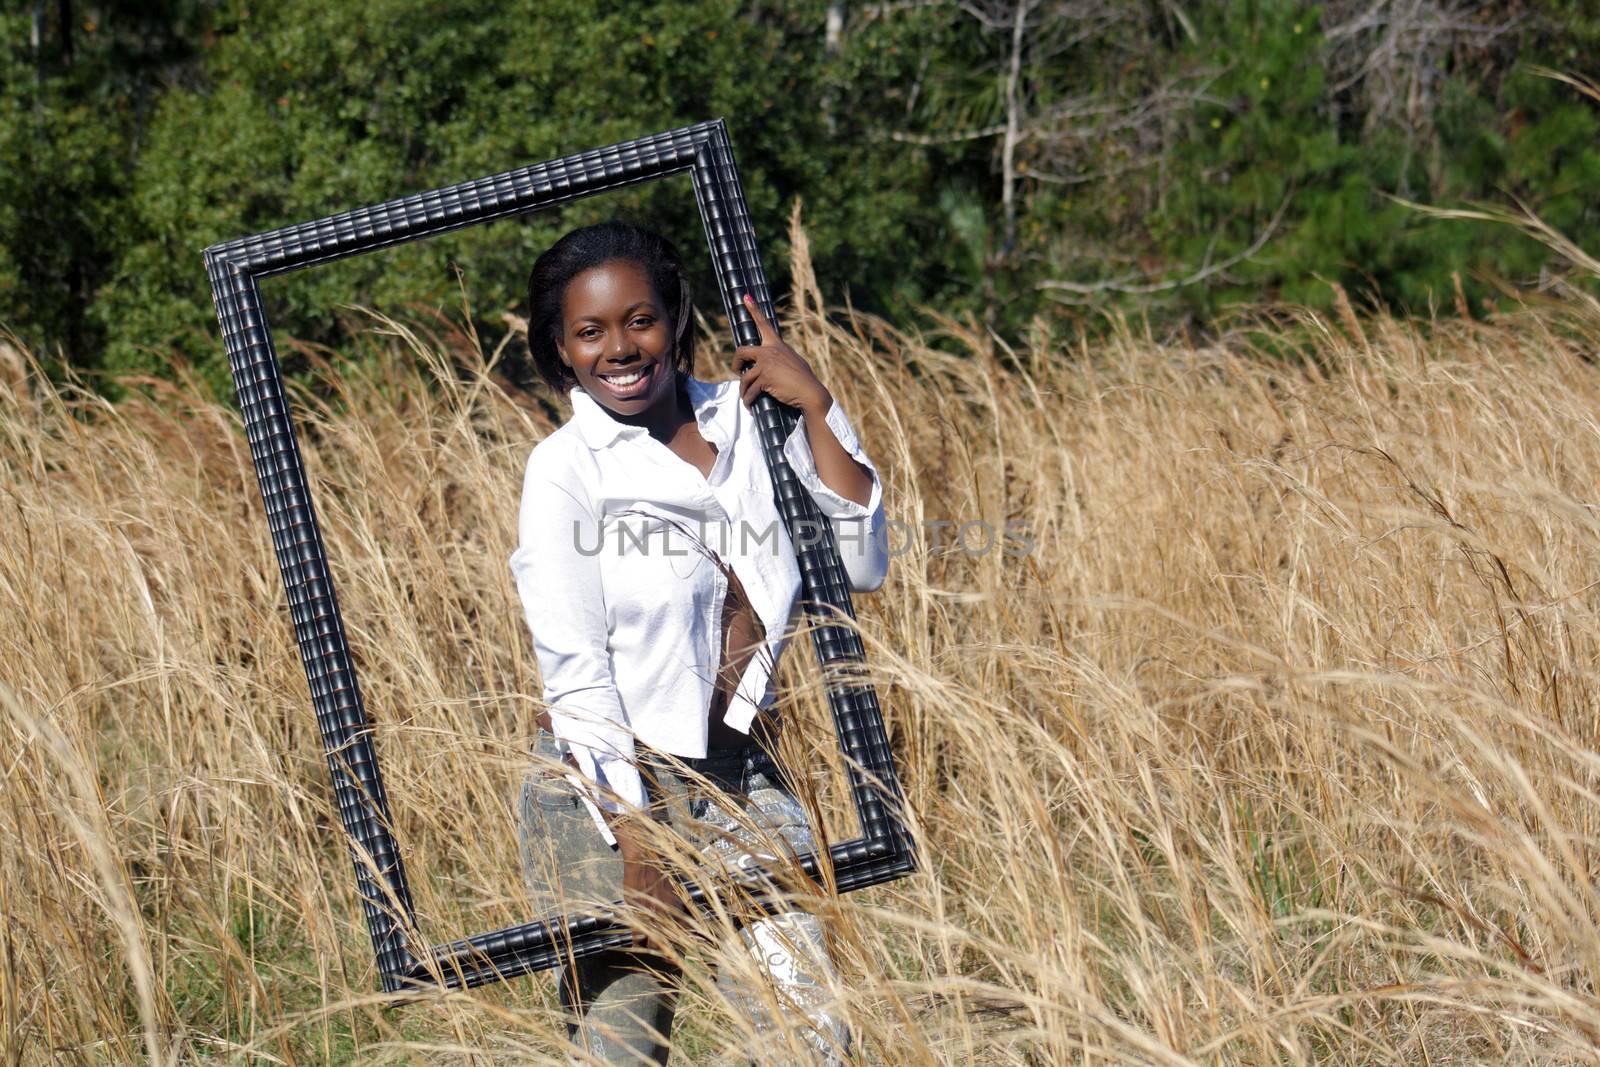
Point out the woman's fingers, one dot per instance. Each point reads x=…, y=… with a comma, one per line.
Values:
x=748, y=362
x=764, y=325
x=750, y=385
x=780, y=373
x=774, y=368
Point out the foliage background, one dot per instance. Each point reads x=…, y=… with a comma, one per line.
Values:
x=1011, y=160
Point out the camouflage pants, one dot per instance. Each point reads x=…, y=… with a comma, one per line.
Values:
x=620, y=1012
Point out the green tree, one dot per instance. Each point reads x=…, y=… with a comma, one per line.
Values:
x=1005, y=158
x=311, y=108
x=76, y=86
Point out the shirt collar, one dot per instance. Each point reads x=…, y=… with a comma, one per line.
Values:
x=716, y=409
x=595, y=423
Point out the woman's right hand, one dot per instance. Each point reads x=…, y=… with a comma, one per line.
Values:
x=646, y=885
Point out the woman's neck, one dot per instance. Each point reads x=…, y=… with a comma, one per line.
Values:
x=665, y=418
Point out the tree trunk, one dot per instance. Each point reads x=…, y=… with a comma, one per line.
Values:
x=1008, y=150
x=36, y=39
x=832, y=41
x=64, y=15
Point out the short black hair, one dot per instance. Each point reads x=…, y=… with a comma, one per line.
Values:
x=588, y=247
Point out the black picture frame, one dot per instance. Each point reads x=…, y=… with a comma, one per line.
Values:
x=236, y=269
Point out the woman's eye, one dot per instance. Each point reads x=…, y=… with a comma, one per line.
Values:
x=643, y=322
x=588, y=335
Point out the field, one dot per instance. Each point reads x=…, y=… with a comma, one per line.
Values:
x=1280, y=745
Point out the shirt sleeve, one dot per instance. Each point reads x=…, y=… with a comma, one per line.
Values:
x=858, y=529
x=557, y=572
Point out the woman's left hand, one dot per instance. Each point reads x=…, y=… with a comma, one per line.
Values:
x=772, y=367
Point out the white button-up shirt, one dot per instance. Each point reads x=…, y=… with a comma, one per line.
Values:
x=619, y=566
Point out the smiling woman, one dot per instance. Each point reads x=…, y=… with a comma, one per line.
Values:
x=657, y=649
x=716, y=616
x=606, y=329
x=616, y=337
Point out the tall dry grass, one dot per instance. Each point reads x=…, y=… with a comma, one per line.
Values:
x=1281, y=746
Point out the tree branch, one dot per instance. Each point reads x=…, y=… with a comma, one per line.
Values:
x=1206, y=269
x=942, y=138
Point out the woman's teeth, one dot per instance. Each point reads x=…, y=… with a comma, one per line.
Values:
x=623, y=379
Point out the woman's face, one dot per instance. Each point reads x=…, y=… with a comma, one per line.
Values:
x=617, y=339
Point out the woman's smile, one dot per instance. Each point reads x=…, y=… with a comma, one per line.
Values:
x=618, y=339
x=625, y=385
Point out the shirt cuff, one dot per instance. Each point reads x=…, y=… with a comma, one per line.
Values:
x=608, y=784
x=797, y=450
x=753, y=693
